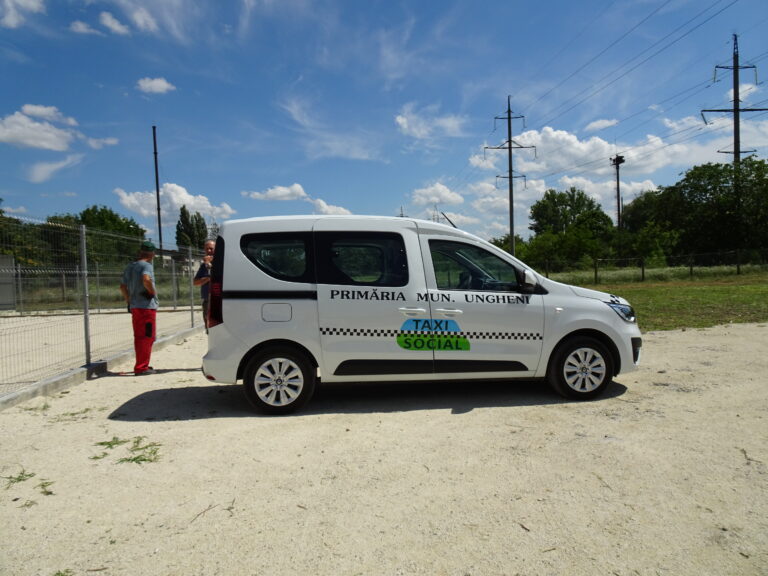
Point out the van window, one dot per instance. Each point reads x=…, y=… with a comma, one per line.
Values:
x=361, y=258
x=460, y=266
x=285, y=256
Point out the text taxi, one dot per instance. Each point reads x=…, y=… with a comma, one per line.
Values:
x=362, y=298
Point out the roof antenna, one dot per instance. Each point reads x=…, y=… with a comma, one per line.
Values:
x=449, y=220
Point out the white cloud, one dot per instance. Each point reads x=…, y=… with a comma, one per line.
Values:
x=600, y=125
x=172, y=198
x=12, y=12
x=17, y=210
x=437, y=193
x=279, y=193
x=485, y=161
x=20, y=130
x=143, y=20
x=492, y=204
x=44, y=171
x=296, y=192
x=745, y=90
x=33, y=127
x=426, y=124
x=687, y=123
x=99, y=143
x=113, y=24
x=322, y=207
x=50, y=113
x=395, y=60
x=320, y=141
x=79, y=27
x=154, y=86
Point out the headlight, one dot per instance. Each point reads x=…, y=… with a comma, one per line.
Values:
x=625, y=311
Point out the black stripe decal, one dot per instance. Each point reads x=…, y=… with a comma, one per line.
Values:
x=269, y=295
x=384, y=367
x=479, y=366
x=381, y=367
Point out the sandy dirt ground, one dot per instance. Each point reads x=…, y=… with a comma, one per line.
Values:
x=170, y=474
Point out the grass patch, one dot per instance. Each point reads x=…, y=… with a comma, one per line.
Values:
x=139, y=451
x=112, y=443
x=695, y=303
x=22, y=476
x=44, y=487
x=74, y=416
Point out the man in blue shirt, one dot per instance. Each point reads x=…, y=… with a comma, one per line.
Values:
x=138, y=289
x=203, y=278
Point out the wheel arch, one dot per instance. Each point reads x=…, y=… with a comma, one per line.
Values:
x=601, y=337
x=273, y=344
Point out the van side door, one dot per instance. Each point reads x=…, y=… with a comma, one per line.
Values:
x=371, y=295
x=493, y=324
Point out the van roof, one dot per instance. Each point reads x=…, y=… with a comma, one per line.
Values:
x=306, y=223
x=305, y=220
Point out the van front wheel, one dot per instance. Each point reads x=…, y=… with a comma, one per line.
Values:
x=279, y=381
x=581, y=368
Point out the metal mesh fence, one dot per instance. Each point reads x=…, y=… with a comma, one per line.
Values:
x=60, y=303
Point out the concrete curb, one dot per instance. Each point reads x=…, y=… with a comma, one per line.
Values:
x=79, y=375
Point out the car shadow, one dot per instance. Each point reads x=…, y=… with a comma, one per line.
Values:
x=229, y=401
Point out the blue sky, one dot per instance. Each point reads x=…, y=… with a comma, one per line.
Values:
x=268, y=107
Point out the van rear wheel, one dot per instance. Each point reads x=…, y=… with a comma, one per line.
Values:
x=581, y=368
x=279, y=380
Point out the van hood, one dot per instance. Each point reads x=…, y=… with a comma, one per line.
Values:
x=597, y=295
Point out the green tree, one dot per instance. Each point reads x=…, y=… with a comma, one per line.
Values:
x=557, y=211
x=708, y=210
x=754, y=202
x=106, y=219
x=191, y=229
x=503, y=243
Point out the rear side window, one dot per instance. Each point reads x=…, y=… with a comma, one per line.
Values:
x=285, y=256
x=361, y=258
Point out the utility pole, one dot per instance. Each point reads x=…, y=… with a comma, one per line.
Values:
x=157, y=193
x=736, y=111
x=617, y=161
x=509, y=145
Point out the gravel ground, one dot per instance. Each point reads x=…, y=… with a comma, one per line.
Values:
x=170, y=474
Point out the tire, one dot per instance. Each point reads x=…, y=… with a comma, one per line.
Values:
x=581, y=368
x=279, y=380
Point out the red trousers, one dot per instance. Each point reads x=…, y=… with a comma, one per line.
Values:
x=144, y=332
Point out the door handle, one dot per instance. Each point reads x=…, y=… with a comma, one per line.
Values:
x=413, y=311
x=449, y=311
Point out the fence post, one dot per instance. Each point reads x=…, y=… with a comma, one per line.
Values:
x=642, y=269
x=595, y=270
x=98, y=289
x=738, y=261
x=174, y=284
x=21, y=293
x=86, y=296
x=191, y=267
x=690, y=264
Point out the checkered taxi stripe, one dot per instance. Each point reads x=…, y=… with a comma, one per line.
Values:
x=379, y=333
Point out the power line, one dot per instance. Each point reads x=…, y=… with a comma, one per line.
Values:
x=633, y=68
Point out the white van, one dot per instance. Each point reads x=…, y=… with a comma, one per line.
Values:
x=295, y=300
